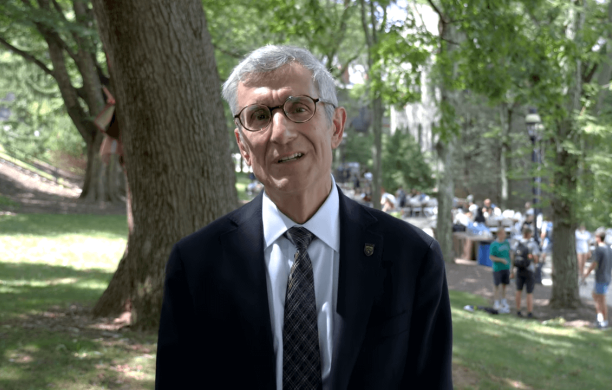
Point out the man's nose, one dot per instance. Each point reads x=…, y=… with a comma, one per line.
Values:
x=282, y=129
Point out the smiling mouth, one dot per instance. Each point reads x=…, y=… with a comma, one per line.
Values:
x=293, y=157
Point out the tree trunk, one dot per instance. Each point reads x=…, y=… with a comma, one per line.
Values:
x=565, y=292
x=94, y=171
x=445, y=145
x=377, y=111
x=446, y=191
x=176, y=147
x=506, y=127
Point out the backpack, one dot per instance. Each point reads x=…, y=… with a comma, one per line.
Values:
x=521, y=256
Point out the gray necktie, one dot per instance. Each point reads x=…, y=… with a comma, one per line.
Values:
x=301, y=356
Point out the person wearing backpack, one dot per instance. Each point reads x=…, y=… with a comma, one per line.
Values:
x=524, y=256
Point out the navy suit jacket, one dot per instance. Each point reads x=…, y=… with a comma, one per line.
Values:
x=392, y=325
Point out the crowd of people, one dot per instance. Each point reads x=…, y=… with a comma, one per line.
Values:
x=522, y=242
x=523, y=255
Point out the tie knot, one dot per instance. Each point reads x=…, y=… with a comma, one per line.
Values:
x=300, y=237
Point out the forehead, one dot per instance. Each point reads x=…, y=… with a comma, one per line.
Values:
x=291, y=79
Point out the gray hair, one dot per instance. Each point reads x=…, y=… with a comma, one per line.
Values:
x=272, y=57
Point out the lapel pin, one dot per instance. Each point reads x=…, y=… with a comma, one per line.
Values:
x=368, y=249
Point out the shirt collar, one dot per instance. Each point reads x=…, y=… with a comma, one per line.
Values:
x=325, y=224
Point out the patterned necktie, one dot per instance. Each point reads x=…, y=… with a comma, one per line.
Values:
x=301, y=356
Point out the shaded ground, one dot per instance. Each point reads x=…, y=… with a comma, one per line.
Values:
x=30, y=193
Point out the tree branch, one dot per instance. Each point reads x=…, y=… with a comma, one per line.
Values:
x=49, y=32
x=440, y=14
x=373, y=21
x=366, y=31
x=450, y=41
x=589, y=75
x=28, y=57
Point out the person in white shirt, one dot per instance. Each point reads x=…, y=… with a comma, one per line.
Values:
x=582, y=248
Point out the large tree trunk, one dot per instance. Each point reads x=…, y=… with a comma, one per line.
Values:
x=445, y=145
x=565, y=292
x=175, y=139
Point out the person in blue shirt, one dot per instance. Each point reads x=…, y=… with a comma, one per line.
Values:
x=499, y=253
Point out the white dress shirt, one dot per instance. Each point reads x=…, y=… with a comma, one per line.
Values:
x=324, y=253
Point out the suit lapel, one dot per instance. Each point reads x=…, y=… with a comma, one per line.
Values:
x=359, y=282
x=243, y=247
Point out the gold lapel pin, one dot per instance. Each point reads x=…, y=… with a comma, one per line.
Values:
x=368, y=249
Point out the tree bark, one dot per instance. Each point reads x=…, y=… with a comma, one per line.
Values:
x=446, y=191
x=177, y=155
x=445, y=145
x=506, y=127
x=565, y=293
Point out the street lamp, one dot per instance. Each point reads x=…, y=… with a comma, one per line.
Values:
x=533, y=124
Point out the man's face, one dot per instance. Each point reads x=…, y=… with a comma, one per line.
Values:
x=487, y=203
x=269, y=151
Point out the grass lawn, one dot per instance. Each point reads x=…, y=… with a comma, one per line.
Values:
x=52, y=265
x=505, y=352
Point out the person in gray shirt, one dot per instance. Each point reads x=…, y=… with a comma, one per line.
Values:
x=602, y=259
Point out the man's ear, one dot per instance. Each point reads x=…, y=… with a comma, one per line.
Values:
x=338, y=122
x=244, y=151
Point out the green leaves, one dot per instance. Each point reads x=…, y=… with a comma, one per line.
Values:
x=404, y=164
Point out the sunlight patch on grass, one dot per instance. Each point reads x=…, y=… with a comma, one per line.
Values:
x=76, y=251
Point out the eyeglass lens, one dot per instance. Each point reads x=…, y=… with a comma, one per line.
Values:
x=297, y=108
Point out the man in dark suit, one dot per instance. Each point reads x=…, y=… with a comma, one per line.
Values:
x=302, y=288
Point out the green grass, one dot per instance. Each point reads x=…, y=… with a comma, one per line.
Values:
x=7, y=203
x=52, y=263
x=506, y=352
x=48, y=263
x=53, y=259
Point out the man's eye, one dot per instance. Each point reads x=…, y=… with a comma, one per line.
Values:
x=299, y=109
x=260, y=115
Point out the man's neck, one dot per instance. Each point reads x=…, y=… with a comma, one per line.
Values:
x=300, y=207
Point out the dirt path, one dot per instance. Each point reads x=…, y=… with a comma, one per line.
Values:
x=29, y=193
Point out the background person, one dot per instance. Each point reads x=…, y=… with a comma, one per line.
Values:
x=525, y=277
x=499, y=253
x=602, y=260
x=582, y=248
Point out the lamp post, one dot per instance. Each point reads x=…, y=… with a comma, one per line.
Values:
x=533, y=124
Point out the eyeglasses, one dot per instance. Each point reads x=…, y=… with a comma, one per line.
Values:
x=298, y=109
